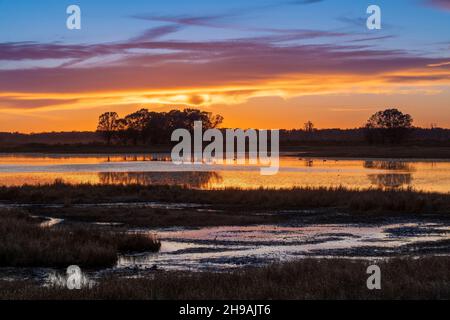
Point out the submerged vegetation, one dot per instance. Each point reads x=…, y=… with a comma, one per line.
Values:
x=426, y=278
x=24, y=243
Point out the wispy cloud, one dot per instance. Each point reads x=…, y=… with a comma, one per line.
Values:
x=220, y=20
x=148, y=68
x=206, y=72
x=441, y=4
x=156, y=33
x=367, y=39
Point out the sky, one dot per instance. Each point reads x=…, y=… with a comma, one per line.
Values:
x=261, y=64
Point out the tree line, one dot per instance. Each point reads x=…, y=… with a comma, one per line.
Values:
x=146, y=127
x=388, y=126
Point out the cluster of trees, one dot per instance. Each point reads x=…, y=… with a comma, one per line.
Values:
x=145, y=127
x=148, y=127
x=388, y=126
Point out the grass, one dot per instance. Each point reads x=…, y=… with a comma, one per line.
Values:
x=141, y=217
x=425, y=278
x=372, y=200
x=23, y=243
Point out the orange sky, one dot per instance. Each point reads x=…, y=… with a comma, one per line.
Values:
x=344, y=101
x=289, y=63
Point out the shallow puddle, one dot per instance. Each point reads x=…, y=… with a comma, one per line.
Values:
x=222, y=248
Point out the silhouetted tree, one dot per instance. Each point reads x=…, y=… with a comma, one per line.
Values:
x=107, y=125
x=215, y=121
x=154, y=127
x=136, y=125
x=122, y=134
x=390, y=125
x=309, y=127
x=158, y=128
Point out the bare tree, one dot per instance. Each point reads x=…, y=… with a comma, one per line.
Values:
x=309, y=127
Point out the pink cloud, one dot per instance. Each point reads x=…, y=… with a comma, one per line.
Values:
x=442, y=4
x=192, y=64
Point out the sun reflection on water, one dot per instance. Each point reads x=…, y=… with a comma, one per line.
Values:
x=16, y=170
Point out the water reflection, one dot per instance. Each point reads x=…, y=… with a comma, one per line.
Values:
x=400, y=178
x=62, y=159
x=140, y=158
x=221, y=248
x=389, y=165
x=188, y=179
x=309, y=163
x=391, y=181
x=17, y=170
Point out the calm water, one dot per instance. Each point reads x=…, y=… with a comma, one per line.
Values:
x=221, y=248
x=19, y=169
x=227, y=248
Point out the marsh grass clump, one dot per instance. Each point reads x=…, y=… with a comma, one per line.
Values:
x=386, y=200
x=137, y=242
x=23, y=243
x=144, y=217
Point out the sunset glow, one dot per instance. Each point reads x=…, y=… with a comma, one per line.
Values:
x=227, y=62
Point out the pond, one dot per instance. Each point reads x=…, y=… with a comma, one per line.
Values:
x=157, y=169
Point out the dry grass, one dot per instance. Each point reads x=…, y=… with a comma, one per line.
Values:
x=353, y=200
x=426, y=278
x=23, y=243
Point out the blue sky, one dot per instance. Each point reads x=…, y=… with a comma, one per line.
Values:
x=413, y=22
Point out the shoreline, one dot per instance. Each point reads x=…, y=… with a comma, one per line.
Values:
x=355, y=151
